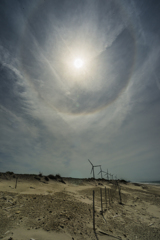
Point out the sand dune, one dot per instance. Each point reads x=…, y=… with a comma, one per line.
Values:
x=42, y=208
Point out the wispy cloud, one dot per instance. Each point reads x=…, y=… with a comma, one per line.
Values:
x=53, y=121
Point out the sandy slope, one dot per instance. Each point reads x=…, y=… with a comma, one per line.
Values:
x=41, y=209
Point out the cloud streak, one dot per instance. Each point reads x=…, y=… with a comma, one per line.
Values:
x=53, y=119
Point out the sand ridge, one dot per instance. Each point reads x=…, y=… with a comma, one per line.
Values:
x=58, y=209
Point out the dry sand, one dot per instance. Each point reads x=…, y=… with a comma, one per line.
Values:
x=40, y=209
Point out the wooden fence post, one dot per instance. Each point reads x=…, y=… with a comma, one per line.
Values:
x=93, y=214
x=120, y=197
x=16, y=182
x=109, y=197
x=106, y=196
x=101, y=201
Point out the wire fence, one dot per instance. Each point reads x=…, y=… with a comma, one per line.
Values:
x=107, y=195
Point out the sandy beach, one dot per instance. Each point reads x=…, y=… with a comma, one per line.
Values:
x=62, y=208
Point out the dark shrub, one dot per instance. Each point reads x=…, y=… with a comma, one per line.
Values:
x=10, y=173
x=50, y=176
x=37, y=178
x=58, y=175
x=46, y=178
x=100, y=184
x=40, y=174
x=123, y=181
x=61, y=180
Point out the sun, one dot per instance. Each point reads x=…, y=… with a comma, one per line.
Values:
x=78, y=63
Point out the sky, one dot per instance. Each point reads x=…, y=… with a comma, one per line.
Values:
x=54, y=116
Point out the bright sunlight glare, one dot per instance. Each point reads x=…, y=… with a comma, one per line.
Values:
x=78, y=63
